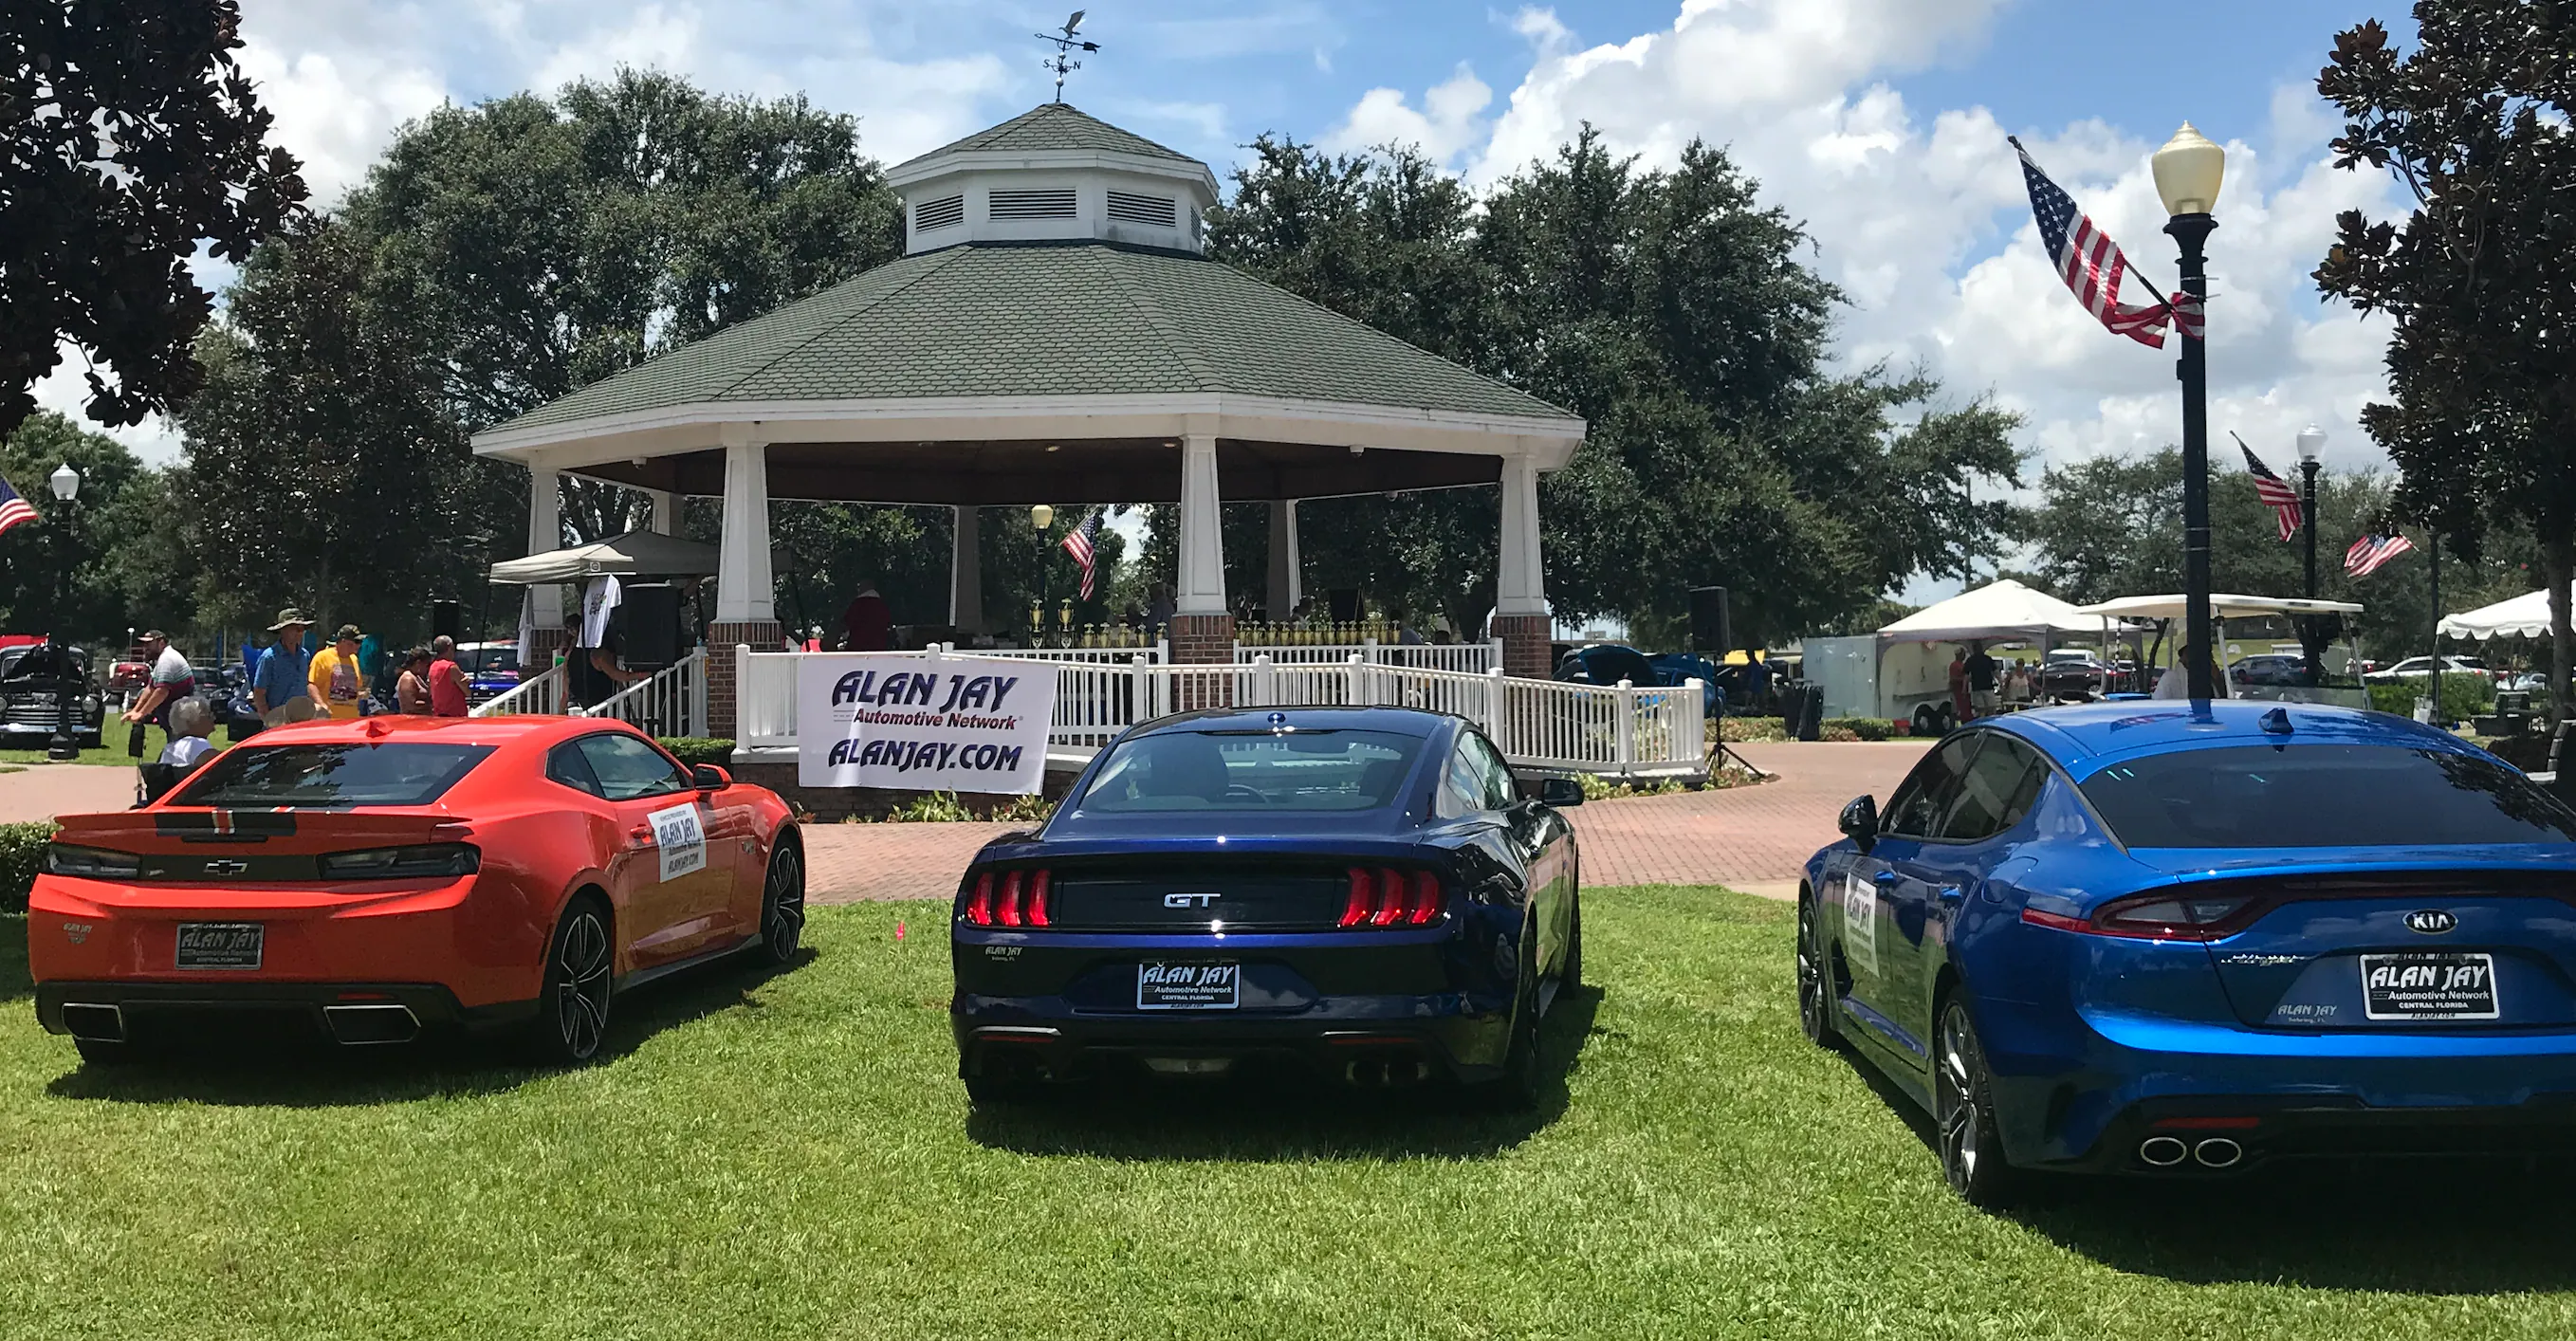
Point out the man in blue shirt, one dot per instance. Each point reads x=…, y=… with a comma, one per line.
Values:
x=277, y=687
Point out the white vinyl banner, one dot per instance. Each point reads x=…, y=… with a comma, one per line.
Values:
x=922, y=722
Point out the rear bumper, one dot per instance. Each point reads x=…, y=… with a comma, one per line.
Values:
x=124, y=1010
x=2260, y=1130
x=1401, y=1041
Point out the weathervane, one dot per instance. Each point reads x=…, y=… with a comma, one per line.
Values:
x=1066, y=43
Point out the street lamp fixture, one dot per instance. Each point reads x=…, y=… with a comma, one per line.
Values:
x=2189, y=171
x=65, y=483
x=1041, y=516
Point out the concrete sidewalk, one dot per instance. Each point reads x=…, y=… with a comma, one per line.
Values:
x=43, y=791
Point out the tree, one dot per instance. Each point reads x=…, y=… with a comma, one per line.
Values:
x=128, y=135
x=2480, y=278
x=85, y=570
x=1672, y=311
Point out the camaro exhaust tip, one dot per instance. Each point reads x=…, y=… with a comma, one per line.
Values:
x=357, y=1025
x=2218, y=1152
x=97, y=1023
x=2164, y=1152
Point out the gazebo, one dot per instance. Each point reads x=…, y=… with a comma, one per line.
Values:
x=1054, y=333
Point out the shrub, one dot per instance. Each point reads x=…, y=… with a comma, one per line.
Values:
x=22, y=848
x=2463, y=697
x=1853, y=728
x=695, y=750
x=1738, y=730
x=1838, y=733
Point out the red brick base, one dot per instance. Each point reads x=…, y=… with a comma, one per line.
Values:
x=1202, y=640
x=539, y=655
x=761, y=635
x=1525, y=645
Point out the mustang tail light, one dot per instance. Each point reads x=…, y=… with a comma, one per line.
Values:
x=1013, y=899
x=1386, y=897
x=2155, y=917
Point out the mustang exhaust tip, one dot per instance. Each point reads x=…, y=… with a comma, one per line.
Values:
x=2218, y=1152
x=2164, y=1152
x=97, y=1023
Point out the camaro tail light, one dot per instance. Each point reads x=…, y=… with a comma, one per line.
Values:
x=2156, y=917
x=402, y=863
x=91, y=863
x=1015, y=899
x=1386, y=897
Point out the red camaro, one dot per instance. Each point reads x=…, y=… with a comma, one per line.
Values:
x=381, y=876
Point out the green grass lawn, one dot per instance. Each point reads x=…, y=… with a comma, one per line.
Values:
x=790, y=1156
x=111, y=748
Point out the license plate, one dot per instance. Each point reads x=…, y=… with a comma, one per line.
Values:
x=2428, y=987
x=1189, y=986
x=220, y=945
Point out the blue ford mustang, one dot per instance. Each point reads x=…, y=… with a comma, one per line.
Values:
x=1358, y=889
x=2183, y=938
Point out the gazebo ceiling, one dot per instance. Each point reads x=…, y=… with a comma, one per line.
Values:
x=1097, y=470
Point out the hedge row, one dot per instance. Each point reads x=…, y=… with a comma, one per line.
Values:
x=2463, y=697
x=22, y=848
x=694, y=750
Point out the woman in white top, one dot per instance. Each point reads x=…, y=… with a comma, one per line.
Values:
x=191, y=721
x=2174, y=683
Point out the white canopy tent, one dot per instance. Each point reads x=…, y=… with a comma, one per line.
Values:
x=634, y=554
x=2221, y=606
x=2525, y=616
x=1999, y=609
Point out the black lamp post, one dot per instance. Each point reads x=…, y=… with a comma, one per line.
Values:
x=65, y=483
x=2188, y=172
x=2312, y=449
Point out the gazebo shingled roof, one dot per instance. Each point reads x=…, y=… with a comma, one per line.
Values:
x=1053, y=126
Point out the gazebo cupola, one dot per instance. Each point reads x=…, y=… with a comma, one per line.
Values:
x=1055, y=333
x=1054, y=175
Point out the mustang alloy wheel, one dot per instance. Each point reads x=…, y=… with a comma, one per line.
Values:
x=782, y=903
x=1972, y=1152
x=1815, y=998
x=572, y=1013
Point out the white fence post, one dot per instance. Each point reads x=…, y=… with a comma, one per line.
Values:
x=1494, y=690
x=1265, y=682
x=1695, y=715
x=1627, y=728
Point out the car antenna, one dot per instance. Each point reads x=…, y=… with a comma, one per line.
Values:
x=2277, y=722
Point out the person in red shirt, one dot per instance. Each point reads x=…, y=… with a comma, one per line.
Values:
x=446, y=679
x=868, y=624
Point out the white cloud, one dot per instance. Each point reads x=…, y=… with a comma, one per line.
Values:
x=1450, y=120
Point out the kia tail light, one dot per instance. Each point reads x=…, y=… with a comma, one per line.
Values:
x=2164, y=916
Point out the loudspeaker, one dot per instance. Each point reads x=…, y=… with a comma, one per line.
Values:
x=447, y=620
x=648, y=618
x=1709, y=631
x=1344, y=603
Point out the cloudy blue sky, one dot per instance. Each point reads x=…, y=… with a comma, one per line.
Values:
x=1881, y=123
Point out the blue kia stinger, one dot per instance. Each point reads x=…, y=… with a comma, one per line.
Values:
x=1361, y=891
x=2186, y=938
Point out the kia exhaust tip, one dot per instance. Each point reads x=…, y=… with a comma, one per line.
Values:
x=357, y=1026
x=2163, y=1152
x=2218, y=1152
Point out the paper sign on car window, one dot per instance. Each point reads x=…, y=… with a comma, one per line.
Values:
x=683, y=842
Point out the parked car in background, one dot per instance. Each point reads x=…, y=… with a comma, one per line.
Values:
x=2185, y=940
x=1609, y=663
x=2416, y=668
x=128, y=674
x=491, y=669
x=35, y=679
x=2270, y=668
x=2072, y=673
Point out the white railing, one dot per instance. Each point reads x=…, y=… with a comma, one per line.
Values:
x=671, y=702
x=1473, y=658
x=1618, y=730
x=1096, y=656
x=541, y=696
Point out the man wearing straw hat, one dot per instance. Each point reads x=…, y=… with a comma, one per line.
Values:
x=278, y=686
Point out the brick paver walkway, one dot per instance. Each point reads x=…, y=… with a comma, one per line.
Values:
x=1749, y=838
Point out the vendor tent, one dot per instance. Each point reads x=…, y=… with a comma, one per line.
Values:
x=2525, y=616
x=2000, y=609
x=634, y=554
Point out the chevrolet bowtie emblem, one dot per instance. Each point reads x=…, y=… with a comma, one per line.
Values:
x=227, y=866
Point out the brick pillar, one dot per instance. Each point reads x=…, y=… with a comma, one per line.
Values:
x=1202, y=640
x=538, y=656
x=1525, y=645
x=761, y=635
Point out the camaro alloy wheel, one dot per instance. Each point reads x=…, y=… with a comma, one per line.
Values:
x=782, y=904
x=1815, y=1002
x=1972, y=1155
x=573, y=1014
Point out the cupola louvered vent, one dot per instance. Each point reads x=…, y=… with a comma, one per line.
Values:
x=931, y=214
x=1030, y=205
x=1131, y=208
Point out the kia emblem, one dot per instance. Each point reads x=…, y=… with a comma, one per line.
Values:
x=2430, y=921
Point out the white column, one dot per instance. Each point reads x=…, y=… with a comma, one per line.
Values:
x=545, y=534
x=1202, y=576
x=743, y=586
x=666, y=512
x=1286, y=581
x=966, y=572
x=1519, y=587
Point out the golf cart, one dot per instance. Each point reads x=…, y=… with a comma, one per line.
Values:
x=2329, y=670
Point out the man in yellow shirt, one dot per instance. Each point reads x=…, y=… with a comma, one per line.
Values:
x=337, y=682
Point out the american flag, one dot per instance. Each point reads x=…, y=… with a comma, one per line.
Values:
x=13, y=509
x=1077, y=542
x=2374, y=549
x=2090, y=262
x=2275, y=492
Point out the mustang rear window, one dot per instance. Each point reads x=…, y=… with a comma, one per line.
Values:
x=329, y=777
x=1206, y=770
x=2299, y=795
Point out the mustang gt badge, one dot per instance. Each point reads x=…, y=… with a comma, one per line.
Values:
x=2431, y=921
x=1188, y=900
